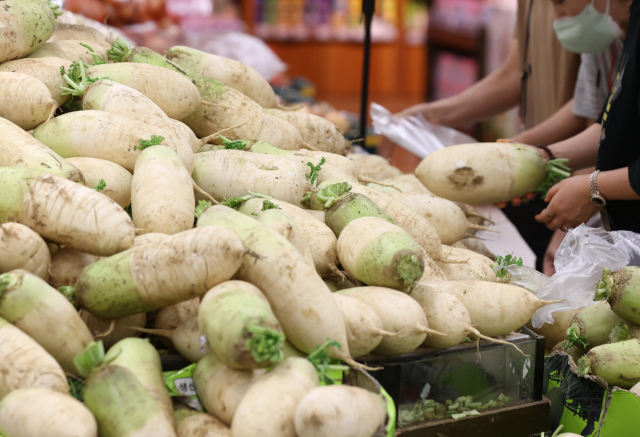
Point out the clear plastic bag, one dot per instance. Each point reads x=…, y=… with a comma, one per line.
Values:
x=579, y=262
x=415, y=133
x=526, y=277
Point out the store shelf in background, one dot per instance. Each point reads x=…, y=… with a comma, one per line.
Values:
x=337, y=67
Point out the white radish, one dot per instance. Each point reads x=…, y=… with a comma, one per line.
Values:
x=46, y=70
x=21, y=248
x=162, y=198
x=117, y=178
x=67, y=265
x=25, y=109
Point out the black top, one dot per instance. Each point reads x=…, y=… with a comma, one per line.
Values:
x=620, y=136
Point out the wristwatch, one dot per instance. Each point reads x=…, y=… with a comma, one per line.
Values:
x=596, y=197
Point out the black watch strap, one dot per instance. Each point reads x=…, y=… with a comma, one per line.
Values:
x=548, y=150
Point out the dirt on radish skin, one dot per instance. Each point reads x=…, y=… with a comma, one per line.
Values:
x=31, y=412
x=510, y=308
x=82, y=219
x=616, y=363
x=399, y=313
x=45, y=315
x=221, y=388
x=22, y=248
x=117, y=178
x=32, y=154
x=190, y=423
x=119, y=331
x=268, y=407
x=321, y=412
x=364, y=327
x=25, y=364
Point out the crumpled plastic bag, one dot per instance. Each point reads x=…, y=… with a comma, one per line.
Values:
x=526, y=277
x=415, y=133
x=579, y=262
x=249, y=50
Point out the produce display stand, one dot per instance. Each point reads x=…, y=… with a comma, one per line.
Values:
x=488, y=373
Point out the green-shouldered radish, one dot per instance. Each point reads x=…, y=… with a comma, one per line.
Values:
x=592, y=325
x=80, y=217
x=240, y=327
x=379, y=253
x=487, y=173
x=25, y=364
x=400, y=314
x=221, y=388
x=22, y=248
x=616, y=363
x=417, y=226
x=125, y=391
x=44, y=314
x=302, y=303
x=26, y=25
x=622, y=290
x=19, y=149
x=269, y=405
x=154, y=276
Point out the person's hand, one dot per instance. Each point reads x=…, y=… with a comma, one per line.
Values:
x=517, y=201
x=438, y=112
x=550, y=255
x=569, y=204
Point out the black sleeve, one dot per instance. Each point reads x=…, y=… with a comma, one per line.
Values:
x=604, y=107
x=634, y=176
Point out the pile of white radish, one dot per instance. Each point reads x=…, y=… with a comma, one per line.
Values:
x=172, y=198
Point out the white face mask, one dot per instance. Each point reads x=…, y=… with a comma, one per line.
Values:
x=588, y=32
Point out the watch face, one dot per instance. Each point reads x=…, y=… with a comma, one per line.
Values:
x=598, y=201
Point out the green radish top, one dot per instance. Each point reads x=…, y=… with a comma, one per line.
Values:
x=620, y=332
x=55, y=8
x=557, y=170
x=502, y=262
x=91, y=358
x=330, y=195
x=574, y=336
x=605, y=287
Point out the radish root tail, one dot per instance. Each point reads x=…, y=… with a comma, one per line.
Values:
x=426, y=330
x=478, y=335
x=482, y=228
x=289, y=108
x=205, y=103
x=163, y=332
x=384, y=333
x=204, y=193
x=108, y=332
x=205, y=140
x=54, y=108
x=356, y=365
x=368, y=180
x=309, y=147
x=337, y=272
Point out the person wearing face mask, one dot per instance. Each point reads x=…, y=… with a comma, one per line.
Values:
x=539, y=76
x=595, y=78
x=611, y=144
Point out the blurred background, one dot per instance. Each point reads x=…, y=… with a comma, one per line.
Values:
x=311, y=50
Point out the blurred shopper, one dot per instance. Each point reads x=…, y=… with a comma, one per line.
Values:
x=612, y=146
x=540, y=76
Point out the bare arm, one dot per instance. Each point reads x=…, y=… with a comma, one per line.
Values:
x=560, y=126
x=581, y=150
x=493, y=95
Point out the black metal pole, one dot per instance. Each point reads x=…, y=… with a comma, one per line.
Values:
x=368, y=8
